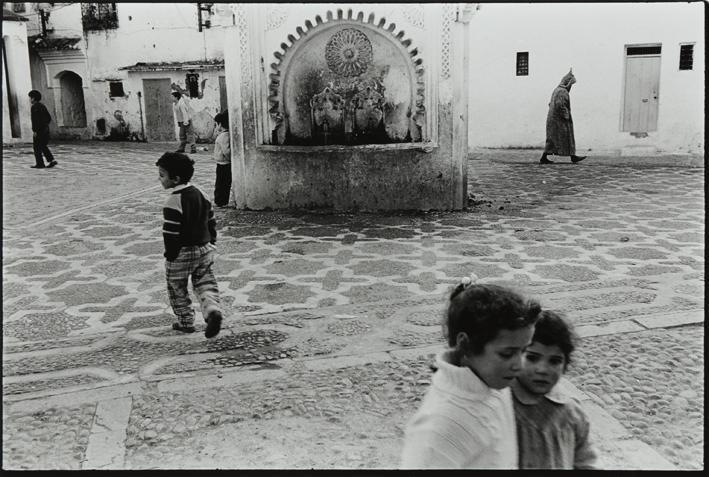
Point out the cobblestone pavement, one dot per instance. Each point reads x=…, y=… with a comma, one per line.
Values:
x=333, y=318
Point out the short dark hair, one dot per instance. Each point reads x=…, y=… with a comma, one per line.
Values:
x=552, y=329
x=36, y=95
x=176, y=94
x=222, y=119
x=482, y=310
x=177, y=165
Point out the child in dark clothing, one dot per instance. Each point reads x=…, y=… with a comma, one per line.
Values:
x=222, y=156
x=40, y=131
x=552, y=429
x=190, y=235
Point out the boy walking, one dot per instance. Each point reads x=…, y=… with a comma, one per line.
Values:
x=190, y=235
x=40, y=131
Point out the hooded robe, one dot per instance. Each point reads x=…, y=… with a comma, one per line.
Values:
x=560, y=127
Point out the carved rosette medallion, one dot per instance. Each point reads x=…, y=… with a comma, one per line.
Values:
x=348, y=52
x=346, y=86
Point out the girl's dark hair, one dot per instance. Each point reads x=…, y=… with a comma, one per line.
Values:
x=552, y=329
x=176, y=94
x=482, y=310
x=222, y=119
x=36, y=95
x=177, y=164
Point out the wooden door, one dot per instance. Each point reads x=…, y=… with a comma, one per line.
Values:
x=159, y=119
x=642, y=92
x=222, y=94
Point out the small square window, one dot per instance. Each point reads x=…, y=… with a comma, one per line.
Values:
x=116, y=89
x=686, y=57
x=522, y=63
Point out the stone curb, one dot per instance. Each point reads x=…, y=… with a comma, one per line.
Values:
x=531, y=157
x=205, y=378
x=37, y=402
x=617, y=448
x=106, y=448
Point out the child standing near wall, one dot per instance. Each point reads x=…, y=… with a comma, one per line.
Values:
x=190, y=235
x=466, y=419
x=183, y=116
x=222, y=156
x=552, y=429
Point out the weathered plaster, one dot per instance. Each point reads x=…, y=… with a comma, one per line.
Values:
x=423, y=176
x=510, y=111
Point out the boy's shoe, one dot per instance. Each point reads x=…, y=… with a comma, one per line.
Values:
x=544, y=160
x=214, y=323
x=183, y=328
x=38, y=167
x=576, y=159
x=52, y=164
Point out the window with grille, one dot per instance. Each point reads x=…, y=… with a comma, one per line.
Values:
x=116, y=89
x=686, y=57
x=192, y=82
x=19, y=7
x=99, y=16
x=522, y=63
x=644, y=50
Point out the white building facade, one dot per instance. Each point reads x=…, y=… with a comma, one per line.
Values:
x=639, y=70
x=106, y=70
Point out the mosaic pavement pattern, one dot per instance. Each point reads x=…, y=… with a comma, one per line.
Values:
x=84, y=301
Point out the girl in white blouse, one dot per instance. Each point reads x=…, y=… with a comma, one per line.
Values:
x=466, y=419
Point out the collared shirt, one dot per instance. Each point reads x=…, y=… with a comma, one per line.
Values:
x=182, y=110
x=222, y=148
x=462, y=423
x=553, y=433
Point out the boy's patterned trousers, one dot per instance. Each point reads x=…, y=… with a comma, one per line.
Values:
x=195, y=261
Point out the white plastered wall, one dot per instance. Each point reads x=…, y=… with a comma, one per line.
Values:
x=153, y=32
x=510, y=111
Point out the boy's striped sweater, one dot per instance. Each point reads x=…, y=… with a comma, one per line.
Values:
x=188, y=220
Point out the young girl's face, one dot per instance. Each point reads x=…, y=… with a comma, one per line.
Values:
x=542, y=366
x=501, y=359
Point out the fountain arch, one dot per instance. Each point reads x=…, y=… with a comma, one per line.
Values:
x=333, y=124
x=349, y=81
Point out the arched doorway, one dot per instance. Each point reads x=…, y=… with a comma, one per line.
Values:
x=72, y=96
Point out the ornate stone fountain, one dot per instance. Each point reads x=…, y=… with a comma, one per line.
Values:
x=352, y=113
